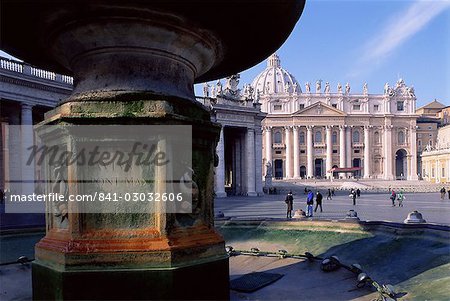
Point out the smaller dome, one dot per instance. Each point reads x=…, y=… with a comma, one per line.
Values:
x=275, y=80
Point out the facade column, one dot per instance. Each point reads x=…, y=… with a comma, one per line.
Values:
x=413, y=152
x=27, y=140
x=296, y=154
x=367, y=160
x=250, y=158
x=258, y=162
x=388, y=153
x=309, y=152
x=268, y=144
x=329, y=163
x=288, y=167
x=220, y=169
x=342, y=161
x=348, y=148
x=237, y=162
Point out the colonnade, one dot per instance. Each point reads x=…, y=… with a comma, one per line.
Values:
x=247, y=165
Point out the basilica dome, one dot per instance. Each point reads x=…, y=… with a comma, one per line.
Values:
x=275, y=80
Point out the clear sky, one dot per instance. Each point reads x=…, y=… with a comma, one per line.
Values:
x=370, y=41
x=373, y=41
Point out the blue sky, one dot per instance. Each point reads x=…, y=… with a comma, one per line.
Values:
x=370, y=41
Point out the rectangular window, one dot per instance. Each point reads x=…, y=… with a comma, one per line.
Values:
x=278, y=152
x=277, y=107
x=334, y=151
x=334, y=105
x=400, y=106
x=357, y=107
x=420, y=142
x=301, y=106
x=376, y=108
x=443, y=172
x=302, y=151
x=356, y=151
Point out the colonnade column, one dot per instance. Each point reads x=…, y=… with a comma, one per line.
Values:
x=309, y=151
x=27, y=140
x=329, y=163
x=367, y=160
x=287, y=132
x=296, y=154
x=220, y=169
x=342, y=162
x=413, y=151
x=268, y=144
x=250, y=152
x=258, y=162
x=388, y=152
x=348, y=147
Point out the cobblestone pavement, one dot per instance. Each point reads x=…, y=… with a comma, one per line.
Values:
x=370, y=206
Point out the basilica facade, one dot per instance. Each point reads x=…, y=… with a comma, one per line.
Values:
x=321, y=133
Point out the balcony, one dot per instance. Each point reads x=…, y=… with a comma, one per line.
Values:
x=278, y=145
x=358, y=144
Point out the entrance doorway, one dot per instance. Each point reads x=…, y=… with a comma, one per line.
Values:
x=357, y=163
x=302, y=171
x=335, y=174
x=401, y=164
x=278, y=169
x=318, y=168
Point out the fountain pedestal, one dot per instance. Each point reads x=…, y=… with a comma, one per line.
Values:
x=134, y=63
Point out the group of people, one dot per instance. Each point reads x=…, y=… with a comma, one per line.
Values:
x=309, y=203
x=442, y=191
x=400, y=197
x=354, y=193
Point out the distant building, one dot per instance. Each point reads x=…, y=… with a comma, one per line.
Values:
x=312, y=132
x=436, y=159
x=434, y=142
x=239, y=149
x=26, y=93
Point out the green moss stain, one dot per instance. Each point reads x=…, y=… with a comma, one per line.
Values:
x=133, y=108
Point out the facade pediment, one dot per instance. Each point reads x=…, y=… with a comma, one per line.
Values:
x=320, y=109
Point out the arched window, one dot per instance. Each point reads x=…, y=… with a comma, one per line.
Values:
x=301, y=138
x=376, y=137
x=356, y=136
x=334, y=138
x=277, y=138
x=318, y=137
x=401, y=137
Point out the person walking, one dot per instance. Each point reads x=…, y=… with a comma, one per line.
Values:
x=442, y=193
x=353, y=196
x=358, y=192
x=332, y=191
x=290, y=204
x=393, y=196
x=319, y=198
x=309, y=204
x=400, y=198
x=329, y=196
